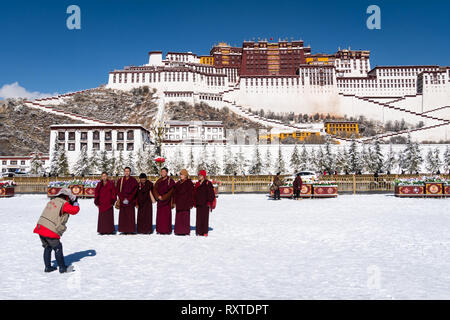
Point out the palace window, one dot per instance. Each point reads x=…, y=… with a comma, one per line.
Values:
x=120, y=136
x=130, y=135
x=22, y=162
x=4, y=162
x=83, y=145
x=71, y=146
x=108, y=146
x=96, y=135
x=120, y=146
x=96, y=146
x=108, y=135
x=13, y=162
x=84, y=135
x=130, y=146
x=61, y=135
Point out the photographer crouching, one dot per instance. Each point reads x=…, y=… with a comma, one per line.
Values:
x=52, y=224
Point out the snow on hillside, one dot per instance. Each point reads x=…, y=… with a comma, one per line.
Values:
x=351, y=247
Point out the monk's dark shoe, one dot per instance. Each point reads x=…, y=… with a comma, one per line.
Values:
x=51, y=269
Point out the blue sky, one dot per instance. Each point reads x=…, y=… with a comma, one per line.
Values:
x=43, y=56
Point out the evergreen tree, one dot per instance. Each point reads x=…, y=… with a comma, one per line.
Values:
x=342, y=160
x=446, y=162
x=411, y=158
x=81, y=167
x=214, y=167
x=104, y=163
x=36, y=164
x=191, y=161
x=120, y=164
x=202, y=163
x=329, y=160
x=268, y=161
x=313, y=161
x=437, y=159
x=257, y=165
x=365, y=159
x=54, y=160
x=305, y=160
x=113, y=163
x=130, y=162
x=433, y=161
x=295, y=160
x=354, y=158
x=228, y=161
x=390, y=160
x=240, y=162
x=150, y=156
x=280, y=165
x=62, y=163
x=94, y=162
x=140, y=162
x=376, y=157
x=178, y=162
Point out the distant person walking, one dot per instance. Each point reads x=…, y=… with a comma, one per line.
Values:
x=52, y=224
x=183, y=200
x=105, y=197
x=127, y=187
x=144, y=204
x=203, y=199
x=162, y=191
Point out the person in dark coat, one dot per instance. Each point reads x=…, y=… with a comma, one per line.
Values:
x=126, y=188
x=105, y=197
x=162, y=191
x=297, y=185
x=144, y=205
x=277, y=183
x=203, y=199
x=183, y=199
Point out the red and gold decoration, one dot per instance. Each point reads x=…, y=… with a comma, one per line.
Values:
x=434, y=189
x=7, y=188
x=325, y=191
x=410, y=191
x=306, y=191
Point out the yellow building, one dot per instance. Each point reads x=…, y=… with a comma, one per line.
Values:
x=207, y=60
x=299, y=135
x=342, y=127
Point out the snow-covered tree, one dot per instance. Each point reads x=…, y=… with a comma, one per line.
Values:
x=62, y=163
x=305, y=161
x=365, y=158
x=202, y=163
x=433, y=161
x=150, y=163
x=37, y=165
x=104, y=163
x=342, y=160
x=257, y=163
x=411, y=158
x=280, y=165
x=81, y=167
x=94, y=162
x=240, y=162
x=329, y=161
x=295, y=160
x=130, y=162
x=354, y=158
x=228, y=161
x=390, y=160
x=54, y=160
x=268, y=161
x=178, y=162
x=376, y=157
x=119, y=164
x=191, y=161
x=214, y=166
x=140, y=162
x=446, y=162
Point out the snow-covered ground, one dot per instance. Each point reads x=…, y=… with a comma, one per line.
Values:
x=352, y=247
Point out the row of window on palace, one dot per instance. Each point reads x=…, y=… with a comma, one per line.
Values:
x=194, y=129
x=403, y=72
x=14, y=162
x=294, y=81
x=167, y=77
x=129, y=146
x=185, y=136
x=96, y=135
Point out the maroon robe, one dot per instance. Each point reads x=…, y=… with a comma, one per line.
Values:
x=127, y=218
x=145, y=210
x=203, y=199
x=183, y=198
x=105, y=197
x=164, y=188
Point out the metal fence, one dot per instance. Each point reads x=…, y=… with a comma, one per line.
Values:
x=242, y=184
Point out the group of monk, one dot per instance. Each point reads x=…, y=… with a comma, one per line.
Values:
x=127, y=194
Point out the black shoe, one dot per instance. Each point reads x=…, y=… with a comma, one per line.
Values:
x=51, y=269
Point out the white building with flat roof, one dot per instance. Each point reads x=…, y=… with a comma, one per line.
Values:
x=125, y=138
x=194, y=132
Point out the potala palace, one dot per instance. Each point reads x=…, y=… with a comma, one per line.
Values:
x=285, y=76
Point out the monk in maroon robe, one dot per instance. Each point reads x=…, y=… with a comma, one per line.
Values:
x=183, y=199
x=126, y=188
x=105, y=197
x=162, y=191
x=144, y=204
x=203, y=199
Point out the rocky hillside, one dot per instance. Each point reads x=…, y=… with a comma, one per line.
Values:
x=23, y=129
